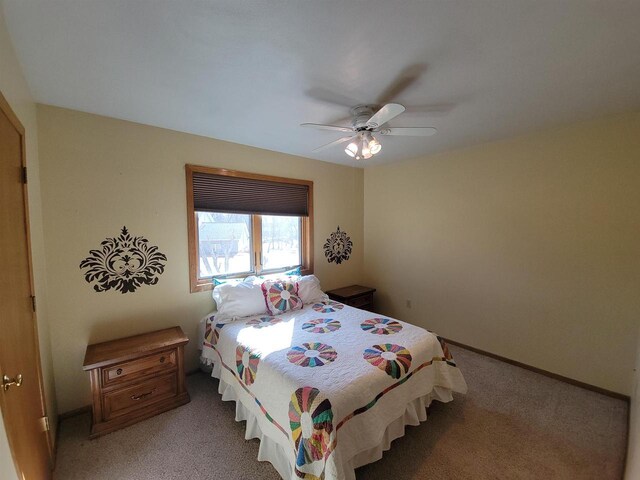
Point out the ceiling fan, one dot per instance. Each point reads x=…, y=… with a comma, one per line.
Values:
x=367, y=120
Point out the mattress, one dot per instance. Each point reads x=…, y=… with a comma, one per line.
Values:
x=327, y=388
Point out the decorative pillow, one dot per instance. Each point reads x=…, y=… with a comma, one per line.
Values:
x=293, y=273
x=238, y=299
x=281, y=297
x=309, y=290
x=289, y=276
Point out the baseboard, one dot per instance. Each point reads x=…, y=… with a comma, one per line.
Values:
x=546, y=373
x=77, y=411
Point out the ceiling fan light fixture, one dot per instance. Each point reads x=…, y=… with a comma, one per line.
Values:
x=370, y=146
x=364, y=146
x=352, y=150
x=374, y=146
x=362, y=142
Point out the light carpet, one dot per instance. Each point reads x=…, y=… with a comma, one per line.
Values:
x=513, y=424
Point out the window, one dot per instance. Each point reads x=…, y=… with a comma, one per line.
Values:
x=280, y=242
x=224, y=244
x=246, y=224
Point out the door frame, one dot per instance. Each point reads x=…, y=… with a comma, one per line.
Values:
x=6, y=109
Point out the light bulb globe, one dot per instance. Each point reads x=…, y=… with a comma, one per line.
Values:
x=351, y=150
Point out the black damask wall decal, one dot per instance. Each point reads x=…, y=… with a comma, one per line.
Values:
x=124, y=263
x=338, y=247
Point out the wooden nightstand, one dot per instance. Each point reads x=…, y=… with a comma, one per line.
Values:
x=135, y=378
x=354, y=295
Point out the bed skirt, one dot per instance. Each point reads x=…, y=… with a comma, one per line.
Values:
x=272, y=452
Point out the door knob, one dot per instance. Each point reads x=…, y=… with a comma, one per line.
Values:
x=7, y=382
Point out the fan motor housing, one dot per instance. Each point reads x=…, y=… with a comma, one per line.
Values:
x=361, y=114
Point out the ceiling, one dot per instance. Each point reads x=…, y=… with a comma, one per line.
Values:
x=251, y=71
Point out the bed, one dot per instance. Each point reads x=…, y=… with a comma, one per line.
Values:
x=327, y=388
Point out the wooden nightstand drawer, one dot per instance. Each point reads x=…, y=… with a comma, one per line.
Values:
x=125, y=400
x=355, y=296
x=121, y=372
x=361, y=301
x=135, y=378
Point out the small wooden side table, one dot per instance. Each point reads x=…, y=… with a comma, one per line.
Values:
x=135, y=378
x=354, y=296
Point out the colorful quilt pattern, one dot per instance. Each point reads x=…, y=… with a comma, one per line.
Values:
x=263, y=322
x=321, y=325
x=311, y=422
x=392, y=359
x=381, y=326
x=312, y=354
x=212, y=332
x=447, y=357
x=337, y=402
x=247, y=364
x=328, y=307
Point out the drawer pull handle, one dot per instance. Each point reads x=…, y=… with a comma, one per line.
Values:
x=118, y=371
x=161, y=359
x=142, y=395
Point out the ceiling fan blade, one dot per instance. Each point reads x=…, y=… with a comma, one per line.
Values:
x=335, y=142
x=320, y=126
x=385, y=114
x=409, y=131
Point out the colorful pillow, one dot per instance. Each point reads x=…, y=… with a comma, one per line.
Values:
x=281, y=297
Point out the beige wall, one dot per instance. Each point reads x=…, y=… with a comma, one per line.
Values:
x=526, y=248
x=14, y=88
x=99, y=174
x=633, y=453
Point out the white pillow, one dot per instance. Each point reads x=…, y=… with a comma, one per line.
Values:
x=309, y=290
x=239, y=300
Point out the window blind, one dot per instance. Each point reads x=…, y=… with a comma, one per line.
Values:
x=228, y=194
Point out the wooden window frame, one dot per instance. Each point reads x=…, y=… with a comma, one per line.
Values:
x=202, y=284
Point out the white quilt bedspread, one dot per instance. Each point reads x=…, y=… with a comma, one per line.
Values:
x=325, y=382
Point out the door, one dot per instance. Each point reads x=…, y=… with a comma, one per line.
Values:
x=21, y=398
